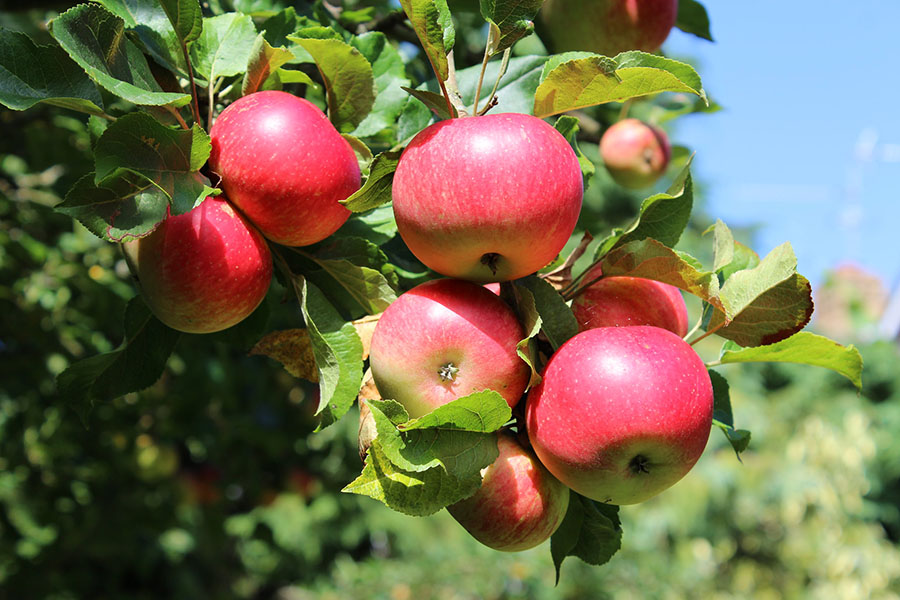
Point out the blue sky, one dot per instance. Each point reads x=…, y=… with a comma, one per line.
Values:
x=808, y=144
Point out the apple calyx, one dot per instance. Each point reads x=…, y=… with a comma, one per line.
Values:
x=639, y=464
x=490, y=260
x=448, y=372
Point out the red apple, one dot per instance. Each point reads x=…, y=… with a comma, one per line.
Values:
x=204, y=270
x=285, y=166
x=635, y=153
x=488, y=198
x=628, y=301
x=446, y=339
x=622, y=413
x=608, y=26
x=519, y=504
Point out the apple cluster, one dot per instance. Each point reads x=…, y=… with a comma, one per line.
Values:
x=283, y=168
x=623, y=409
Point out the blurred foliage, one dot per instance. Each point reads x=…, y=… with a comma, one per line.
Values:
x=211, y=485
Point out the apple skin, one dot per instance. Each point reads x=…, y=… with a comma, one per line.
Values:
x=285, y=166
x=441, y=323
x=608, y=27
x=519, y=504
x=636, y=154
x=622, y=413
x=630, y=301
x=488, y=198
x=204, y=270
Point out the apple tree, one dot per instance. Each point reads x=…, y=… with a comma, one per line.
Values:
x=300, y=180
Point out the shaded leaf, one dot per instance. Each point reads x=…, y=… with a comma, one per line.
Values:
x=186, y=18
x=568, y=127
x=692, y=18
x=377, y=188
x=557, y=321
x=435, y=102
x=264, y=60
x=590, y=530
x=723, y=417
x=293, y=349
x=390, y=79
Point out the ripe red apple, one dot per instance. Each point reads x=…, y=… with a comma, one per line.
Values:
x=635, y=153
x=285, y=166
x=622, y=413
x=488, y=198
x=446, y=339
x=519, y=504
x=204, y=270
x=608, y=27
x=629, y=301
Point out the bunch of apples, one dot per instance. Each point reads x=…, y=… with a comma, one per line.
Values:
x=624, y=408
x=283, y=169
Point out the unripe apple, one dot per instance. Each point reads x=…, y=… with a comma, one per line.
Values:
x=635, y=153
x=608, y=27
x=285, y=166
x=519, y=504
x=446, y=339
x=488, y=198
x=622, y=413
x=204, y=270
x=629, y=301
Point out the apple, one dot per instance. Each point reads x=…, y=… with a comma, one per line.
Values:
x=628, y=301
x=284, y=165
x=519, y=504
x=488, y=198
x=204, y=270
x=608, y=27
x=635, y=153
x=622, y=413
x=445, y=339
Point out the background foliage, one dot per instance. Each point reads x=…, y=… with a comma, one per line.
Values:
x=209, y=485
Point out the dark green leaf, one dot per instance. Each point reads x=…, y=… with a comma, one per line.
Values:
x=692, y=18
x=430, y=20
x=590, y=530
x=591, y=80
x=377, y=188
x=136, y=365
x=723, y=418
x=349, y=80
x=123, y=207
x=803, y=348
x=568, y=127
x=170, y=158
x=30, y=74
x=149, y=22
x=338, y=352
x=95, y=39
x=557, y=321
x=435, y=102
x=186, y=18
x=377, y=225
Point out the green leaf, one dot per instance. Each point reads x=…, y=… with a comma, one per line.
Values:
x=592, y=80
x=650, y=259
x=95, y=39
x=723, y=245
x=136, y=365
x=376, y=225
x=662, y=217
x=224, y=47
x=279, y=26
x=765, y=304
x=377, y=188
x=170, y=158
x=423, y=465
x=264, y=60
x=557, y=321
x=435, y=102
x=744, y=258
x=692, y=18
x=361, y=269
x=30, y=74
x=723, y=417
x=186, y=18
x=590, y=530
x=123, y=207
x=803, y=348
x=149, y=23
x=568, y=127
x=349, y=80
x=431, y=21
x=513, y=19
x=531, y=321
x=338, y=352
x=390, y=79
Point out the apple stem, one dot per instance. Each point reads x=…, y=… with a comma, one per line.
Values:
x=708, y=333
x=623, y=114
x=195, y=105
x=492, y=99
x=212, y=102
x=484, y=63
x=177, y=116
x=695, y=328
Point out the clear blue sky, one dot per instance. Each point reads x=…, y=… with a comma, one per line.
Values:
x=808, y=144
